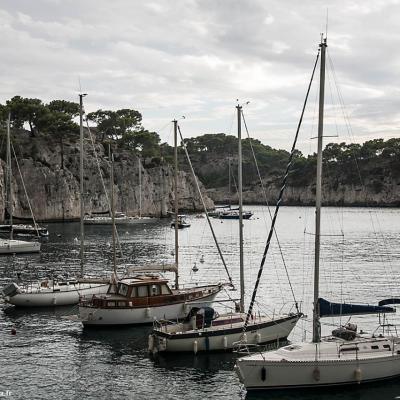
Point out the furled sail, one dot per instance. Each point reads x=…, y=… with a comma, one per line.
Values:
x=328, y=309
x=389, y=301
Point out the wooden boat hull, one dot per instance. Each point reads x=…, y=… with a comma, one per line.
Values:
x=217, y=339
x=68, y=295
x=92, y=316
x=18, y=246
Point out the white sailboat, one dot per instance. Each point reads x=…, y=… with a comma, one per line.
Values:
x=57, y=292
x=120, y=218
x=344, y=358
x=146, y=296
x=206, y=330
x=12, y=246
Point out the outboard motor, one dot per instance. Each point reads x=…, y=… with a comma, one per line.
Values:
x=10, y=290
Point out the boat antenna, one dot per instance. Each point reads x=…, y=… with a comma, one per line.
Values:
x=278, y=203
x=82, y=232
x=326, y=25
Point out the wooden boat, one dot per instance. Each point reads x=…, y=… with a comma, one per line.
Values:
x=141, y=300
x=145, y=297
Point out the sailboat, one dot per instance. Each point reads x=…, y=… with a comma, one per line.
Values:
x=230, y=212
x=147, y=296
x=58, y=292
x=205, y=330
x=12, y=246
x=104, y=217
x=344, y=358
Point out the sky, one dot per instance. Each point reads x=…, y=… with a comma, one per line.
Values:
x=196, y=58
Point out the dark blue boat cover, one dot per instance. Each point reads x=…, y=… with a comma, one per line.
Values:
x=328, y=309
x=389, y=301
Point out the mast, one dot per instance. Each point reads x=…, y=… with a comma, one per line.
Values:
x=239, y=128
x=140, y=189
x=316, y=317
x=176, y=200
x=82, y=232
x=229, y=181
x=113, y=214
x=10, y=204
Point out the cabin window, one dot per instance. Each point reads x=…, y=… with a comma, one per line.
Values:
x=111, y=304
x=123, y=289
x=165, y=289
x=374, y=347
x=155, y=290
x=386, y=346
x=121, y=304
x=142, y=291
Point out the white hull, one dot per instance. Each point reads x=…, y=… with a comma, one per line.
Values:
x=266, y=371
x=18, y=246
x=91, y=316
x=221, y=338
x=118, y=221
x=64, y=295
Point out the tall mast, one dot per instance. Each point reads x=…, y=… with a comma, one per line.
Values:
x=82, y=232
x=140, y=189
x=316, y=323
x=10, y=204
x=176, y=200
x=239, y=128
x=113, y=214
x=229, y=181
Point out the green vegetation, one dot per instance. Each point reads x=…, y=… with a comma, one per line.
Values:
x=354, y=164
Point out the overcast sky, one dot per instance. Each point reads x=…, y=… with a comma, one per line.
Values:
x=195, y=58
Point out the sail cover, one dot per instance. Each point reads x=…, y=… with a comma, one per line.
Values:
x=389, y=301
x=328, y=309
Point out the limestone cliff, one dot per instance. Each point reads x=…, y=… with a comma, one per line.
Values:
x=387, y=195
x=54, y=191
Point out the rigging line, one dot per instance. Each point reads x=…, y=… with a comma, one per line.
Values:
x=268, y=208
x=352, y=137
x=288, y=167
x=102, y=181
x=26, y=193
x=205, y=208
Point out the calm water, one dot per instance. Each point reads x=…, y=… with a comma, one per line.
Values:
x=52, y=357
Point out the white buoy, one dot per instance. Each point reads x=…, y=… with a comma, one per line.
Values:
x=225, y=342
x=358, y=375
x=195, y=347
x=151, y=343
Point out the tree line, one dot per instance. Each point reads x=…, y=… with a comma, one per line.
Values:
x=57, y=119
x=209, y=152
